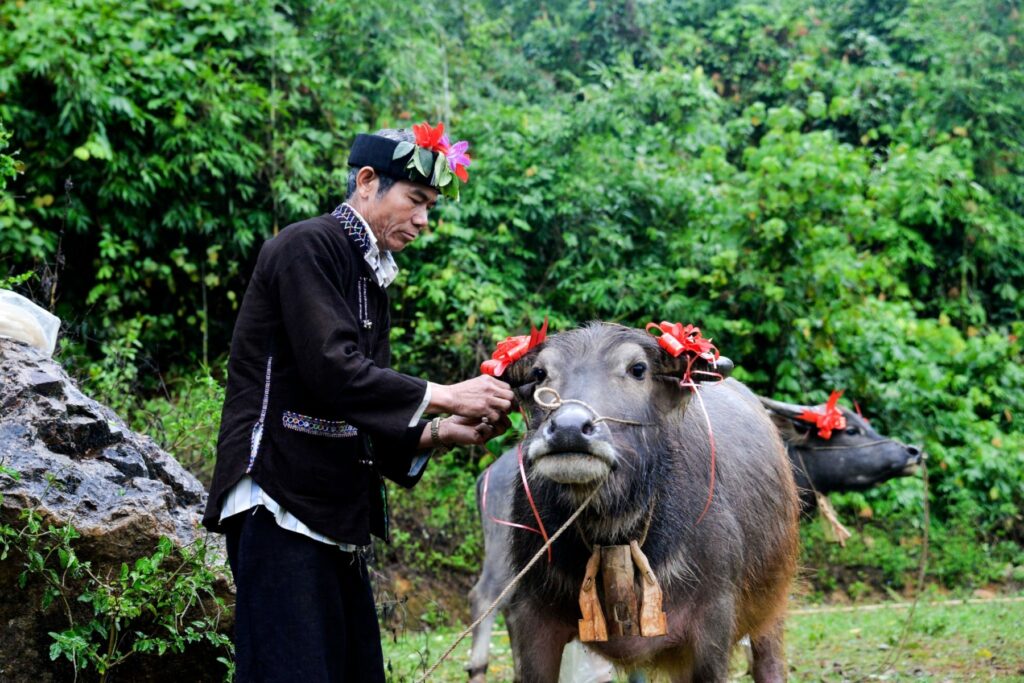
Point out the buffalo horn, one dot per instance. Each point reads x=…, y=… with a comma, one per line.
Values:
x=784, y=409
x=702, y=369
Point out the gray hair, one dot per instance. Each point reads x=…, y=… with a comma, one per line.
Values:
x=386, y=182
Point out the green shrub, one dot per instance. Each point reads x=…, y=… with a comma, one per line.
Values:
x=157, y=604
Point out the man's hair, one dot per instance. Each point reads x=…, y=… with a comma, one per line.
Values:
x=386, y=182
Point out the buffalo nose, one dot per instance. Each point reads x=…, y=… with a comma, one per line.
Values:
x=569, y=429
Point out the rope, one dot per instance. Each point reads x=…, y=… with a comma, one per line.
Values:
x=922, y=568
x=511, y=585
x=558, y=402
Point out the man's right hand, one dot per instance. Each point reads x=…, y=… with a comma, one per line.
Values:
x=482, y=396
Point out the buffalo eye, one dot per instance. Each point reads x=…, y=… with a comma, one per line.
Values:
x=538, y=374
x=638, y=370
x=853, y=431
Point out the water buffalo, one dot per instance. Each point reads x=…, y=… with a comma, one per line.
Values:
x=854, y=458
x=724, y=556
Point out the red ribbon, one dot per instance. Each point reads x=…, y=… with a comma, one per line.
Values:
x=512, y=349
x=678, y=340
x=826, y=419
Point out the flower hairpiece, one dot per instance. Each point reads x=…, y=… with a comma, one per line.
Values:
x=826, y=419
x=447, y=170
x=512, y=349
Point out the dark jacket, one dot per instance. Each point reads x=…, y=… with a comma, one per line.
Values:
x=312, y=411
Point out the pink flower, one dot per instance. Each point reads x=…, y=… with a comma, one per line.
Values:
x=458, y=159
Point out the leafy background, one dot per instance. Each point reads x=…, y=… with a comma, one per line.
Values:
x=833, y=191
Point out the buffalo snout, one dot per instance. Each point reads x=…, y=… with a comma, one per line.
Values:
x=572, y=446
x=570, y=429
x=915, y=456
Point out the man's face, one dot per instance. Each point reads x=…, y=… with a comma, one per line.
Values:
x=398, y=216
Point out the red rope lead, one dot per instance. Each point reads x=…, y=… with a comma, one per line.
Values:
x=503, y=522
x=711, y=440
x=529, y=497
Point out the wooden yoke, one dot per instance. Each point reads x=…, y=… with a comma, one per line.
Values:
x=653, y=621
x=592, y=625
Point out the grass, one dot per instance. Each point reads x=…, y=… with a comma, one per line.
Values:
x=949, y=641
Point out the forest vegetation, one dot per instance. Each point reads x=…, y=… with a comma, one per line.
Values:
x=832, y=191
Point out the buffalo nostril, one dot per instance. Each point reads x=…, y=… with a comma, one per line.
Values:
x=587, y=428
x=913, y=451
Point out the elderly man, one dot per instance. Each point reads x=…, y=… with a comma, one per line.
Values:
x=314, y=418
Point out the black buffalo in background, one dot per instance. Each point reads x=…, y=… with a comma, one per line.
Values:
x=852, y=459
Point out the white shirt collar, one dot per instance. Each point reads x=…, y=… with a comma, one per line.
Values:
x=382, y=263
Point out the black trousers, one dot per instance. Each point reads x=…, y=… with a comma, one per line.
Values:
x=304, y=610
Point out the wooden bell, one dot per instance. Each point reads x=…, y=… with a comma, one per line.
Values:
x=592, y=625
x=653, y=620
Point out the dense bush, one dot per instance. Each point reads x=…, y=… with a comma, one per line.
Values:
x=833, y=191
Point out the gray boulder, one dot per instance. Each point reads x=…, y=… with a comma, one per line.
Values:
x=78, y=462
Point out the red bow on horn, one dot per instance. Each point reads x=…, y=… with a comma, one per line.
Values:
x=512, y=349
x=828, y=419
x=678, y=340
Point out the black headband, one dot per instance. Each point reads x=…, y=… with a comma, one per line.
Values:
x=377, y=152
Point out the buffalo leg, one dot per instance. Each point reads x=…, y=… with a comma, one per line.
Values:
x=769, y=656
x=714, y=644
x=480, y=598
x=537, y=646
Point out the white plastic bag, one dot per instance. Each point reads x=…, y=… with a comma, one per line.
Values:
x=580, y=664
x=22, y=320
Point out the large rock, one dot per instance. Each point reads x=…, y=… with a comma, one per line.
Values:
x=79, y=463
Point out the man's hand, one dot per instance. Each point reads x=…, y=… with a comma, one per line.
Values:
x=468, y=431
x=480, y=397
x=465, y=431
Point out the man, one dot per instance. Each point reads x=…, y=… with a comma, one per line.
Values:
x=313, y=418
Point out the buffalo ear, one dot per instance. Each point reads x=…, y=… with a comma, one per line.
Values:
x=787, y=427
x=519, y=376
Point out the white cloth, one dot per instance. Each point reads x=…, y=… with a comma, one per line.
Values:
x=247, y=494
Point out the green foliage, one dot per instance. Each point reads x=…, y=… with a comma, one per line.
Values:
x=158, y=604
x=436, y=527
x=8, y=166
x=834, y=192
x=186, y=423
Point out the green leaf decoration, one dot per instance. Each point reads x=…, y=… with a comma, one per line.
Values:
x=451, y=189
x=442, y=173
x=402, y=148
x=424, y=162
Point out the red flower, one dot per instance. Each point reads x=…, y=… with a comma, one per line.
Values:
x=677, y=340
x=430, y=138
x=512, y=349
x=827, y=419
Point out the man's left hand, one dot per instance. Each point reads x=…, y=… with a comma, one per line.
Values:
x=471, y=431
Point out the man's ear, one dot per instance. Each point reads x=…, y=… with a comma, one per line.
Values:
x=367, y=182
